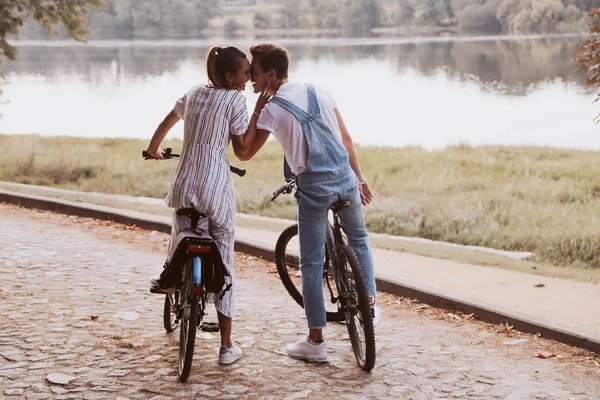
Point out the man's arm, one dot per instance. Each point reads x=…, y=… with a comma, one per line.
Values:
x=161, y=132
x=365, y=191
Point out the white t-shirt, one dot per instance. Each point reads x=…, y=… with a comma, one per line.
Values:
x=284, y=126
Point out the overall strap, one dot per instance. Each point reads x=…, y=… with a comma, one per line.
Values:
x=299, y=113
x=313, y=104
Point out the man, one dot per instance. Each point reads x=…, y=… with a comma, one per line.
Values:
x=320, y=152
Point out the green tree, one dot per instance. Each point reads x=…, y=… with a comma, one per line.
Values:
x=50, y=14
x=361, y=15
x=588, y=55
x=261, y=20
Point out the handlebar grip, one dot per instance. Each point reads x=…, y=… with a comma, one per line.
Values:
x=167, y=154
x=280, y=190
x=237, y=170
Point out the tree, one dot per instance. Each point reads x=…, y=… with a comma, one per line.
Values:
x=50, y=14
x=261, y=20
x=361, y=16
x=588, y=54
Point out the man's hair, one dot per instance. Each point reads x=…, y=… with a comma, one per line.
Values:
x=272, y=56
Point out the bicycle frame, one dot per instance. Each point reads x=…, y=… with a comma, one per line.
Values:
x=333, y=239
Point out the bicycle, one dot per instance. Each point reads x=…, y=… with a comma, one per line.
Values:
x=341, y=268
x=195, y=269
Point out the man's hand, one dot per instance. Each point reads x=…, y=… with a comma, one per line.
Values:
x=365, y=193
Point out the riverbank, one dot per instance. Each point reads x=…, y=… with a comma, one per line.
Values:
x=536, y=199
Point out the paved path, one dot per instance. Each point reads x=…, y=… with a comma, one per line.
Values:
x=58, y=272
x=558, y=301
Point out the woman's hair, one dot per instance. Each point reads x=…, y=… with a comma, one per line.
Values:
x=272, y=56
x=220, y=61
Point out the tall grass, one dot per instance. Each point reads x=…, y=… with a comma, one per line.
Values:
x=535, y=199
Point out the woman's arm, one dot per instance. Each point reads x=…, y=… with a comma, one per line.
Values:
x=365, y=192
x=159, y=135
x=243, y=144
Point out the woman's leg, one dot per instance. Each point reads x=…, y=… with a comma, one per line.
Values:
x=225, y=305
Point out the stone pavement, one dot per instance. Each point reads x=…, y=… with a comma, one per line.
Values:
x=532, y=303
x=77, y=321
x=562, y=302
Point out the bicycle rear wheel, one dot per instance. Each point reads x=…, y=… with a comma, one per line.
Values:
x=357, y=311
x=189, y=323
x=287, y=259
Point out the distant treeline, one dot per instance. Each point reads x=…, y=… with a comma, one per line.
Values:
x=171, y=19
x=476, y=16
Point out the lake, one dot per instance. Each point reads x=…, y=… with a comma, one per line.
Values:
x=429, y=92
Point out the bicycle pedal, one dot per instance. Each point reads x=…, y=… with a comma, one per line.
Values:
x=210, y=327
x=157, y=290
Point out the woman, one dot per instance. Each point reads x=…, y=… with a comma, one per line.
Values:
x=213, y=115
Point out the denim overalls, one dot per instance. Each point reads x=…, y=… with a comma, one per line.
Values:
x=328, y=178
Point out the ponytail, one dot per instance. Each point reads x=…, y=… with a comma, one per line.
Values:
x=219, y=62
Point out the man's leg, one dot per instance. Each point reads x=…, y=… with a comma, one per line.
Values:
x=312, y=226
x=312, y=220
x=353, y=222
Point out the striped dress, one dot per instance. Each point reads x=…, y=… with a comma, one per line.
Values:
x=203, y=180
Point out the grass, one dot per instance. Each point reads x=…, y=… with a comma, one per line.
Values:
x=542, y=200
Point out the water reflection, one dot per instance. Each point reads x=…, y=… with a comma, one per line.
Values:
x=446, y=90
x=510, y=66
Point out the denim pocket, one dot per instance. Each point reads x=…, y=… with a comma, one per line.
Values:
x=316, y=191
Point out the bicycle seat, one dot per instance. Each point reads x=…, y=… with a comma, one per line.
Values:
x=338, y=205
x=191, y=212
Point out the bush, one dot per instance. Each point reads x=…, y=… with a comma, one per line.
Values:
x=480, y=19
x=231, y=25
x=261, y=20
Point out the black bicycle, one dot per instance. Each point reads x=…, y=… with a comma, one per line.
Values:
x=194, y=270
x=344, y=285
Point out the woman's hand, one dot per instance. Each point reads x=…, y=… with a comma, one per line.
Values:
x=156, y=154
x=365, y=192
x=264, y=97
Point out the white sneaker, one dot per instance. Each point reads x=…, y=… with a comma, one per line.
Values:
x=229, y=355
x=306, y=350
x=376, y=313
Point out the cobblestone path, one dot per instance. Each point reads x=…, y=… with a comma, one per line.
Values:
x=77, y=322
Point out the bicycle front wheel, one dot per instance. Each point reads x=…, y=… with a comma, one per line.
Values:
x=287, y=259
x=357, y=311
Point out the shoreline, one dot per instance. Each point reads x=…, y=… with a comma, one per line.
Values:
x=359, y=41
x=364, y=146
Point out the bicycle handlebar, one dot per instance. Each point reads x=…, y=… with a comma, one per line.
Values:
x=168, y=154
x=287, y=188
x=237, y=170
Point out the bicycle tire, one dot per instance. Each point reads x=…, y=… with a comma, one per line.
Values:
x=284, y=262
x=357, y=310
x=187, y=331
x=169, y=316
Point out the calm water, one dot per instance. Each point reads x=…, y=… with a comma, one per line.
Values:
x=392, y=93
